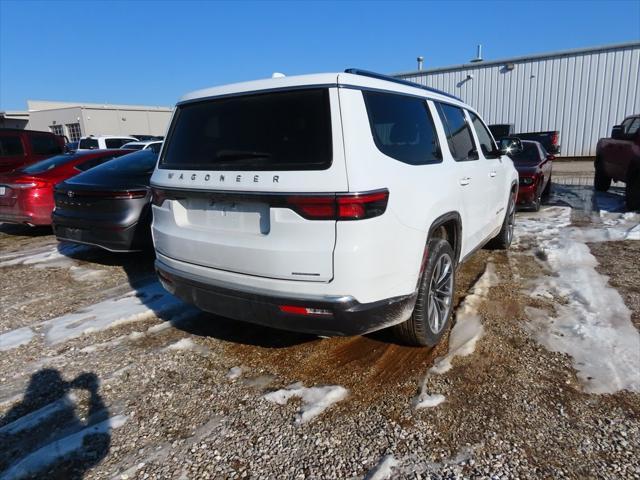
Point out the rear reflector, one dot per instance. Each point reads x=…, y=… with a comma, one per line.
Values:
x=308, y=311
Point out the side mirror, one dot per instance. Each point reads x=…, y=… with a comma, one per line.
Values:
x=510, y=145
x=617, y=132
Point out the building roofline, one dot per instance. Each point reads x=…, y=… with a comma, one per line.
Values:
x=55, y=105
x=523, y=58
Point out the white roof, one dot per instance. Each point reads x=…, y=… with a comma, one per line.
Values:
x=133, y=139
x=144, y=142
x=320, y=79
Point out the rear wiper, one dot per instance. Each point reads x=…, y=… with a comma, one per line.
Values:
x=242, y=154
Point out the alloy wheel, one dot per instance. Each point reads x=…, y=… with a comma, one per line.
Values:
x=440, y=293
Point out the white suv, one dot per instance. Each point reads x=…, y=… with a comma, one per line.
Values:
x=101, y=142
x=336, y=204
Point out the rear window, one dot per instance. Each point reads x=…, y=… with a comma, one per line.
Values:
x=88, y=143
x=288, y=130
x=49, y=163
x=402, y=128
x=45, y=145
x=139, y=162
x=529, y=154
x=116, y=142
x=10, y=145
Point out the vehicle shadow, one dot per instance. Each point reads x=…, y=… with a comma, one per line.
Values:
x=44, y=435
x=141, y=277
x=17, y=230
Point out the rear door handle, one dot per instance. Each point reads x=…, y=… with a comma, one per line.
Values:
x=492, y=173
x=465, y=181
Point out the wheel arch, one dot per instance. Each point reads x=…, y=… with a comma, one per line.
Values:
x=451, y=222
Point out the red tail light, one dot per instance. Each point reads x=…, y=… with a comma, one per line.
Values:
x=356, y=206
x=296, y=310
x=24, y=183
x=158, y=197
x=554, y=138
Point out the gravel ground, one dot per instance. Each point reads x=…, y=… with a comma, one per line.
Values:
x=157, y=399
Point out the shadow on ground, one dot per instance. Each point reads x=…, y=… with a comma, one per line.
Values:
x=46, y=436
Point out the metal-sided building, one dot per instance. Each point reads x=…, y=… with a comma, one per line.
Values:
x=79, y=119
x=582, y=93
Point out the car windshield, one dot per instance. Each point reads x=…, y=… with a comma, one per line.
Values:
x=288, y=130
x=529, y=154
x=50, y=163
x=133, y=146
x=142, y=161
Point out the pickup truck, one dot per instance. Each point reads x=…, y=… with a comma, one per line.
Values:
x=550, y=140
x=618, y=158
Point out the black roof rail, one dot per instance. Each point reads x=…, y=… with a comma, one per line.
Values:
x=388, y=78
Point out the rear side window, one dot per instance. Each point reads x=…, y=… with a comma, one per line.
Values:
x=402, y=128
x=633, y=128
x=116, y=142
x=458, y=132
x=10, y=146
x=288, y=130
x=45, y=145
x=88, y=143
x=484, y=137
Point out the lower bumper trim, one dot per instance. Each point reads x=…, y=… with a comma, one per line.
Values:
x=348, y=316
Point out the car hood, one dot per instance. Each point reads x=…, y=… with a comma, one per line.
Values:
x=526, y=169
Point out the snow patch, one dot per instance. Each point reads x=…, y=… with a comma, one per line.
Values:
x=32, y=419
x=15, y=338
x=592, y=324
x=315, y=400
x=59, y=449
x=384, y=469
x=56, y=256
x=135, y=306
x=234, y=373
x=84, y=274
x=463, y=338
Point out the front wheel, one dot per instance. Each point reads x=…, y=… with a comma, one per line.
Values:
x=432, y=312
x=503, y=240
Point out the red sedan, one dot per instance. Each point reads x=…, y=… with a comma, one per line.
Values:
x=26, y=195
x=534, y=167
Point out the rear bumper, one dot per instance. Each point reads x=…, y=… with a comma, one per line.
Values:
x=22, y=218
x=348, y=316
x=112, y=238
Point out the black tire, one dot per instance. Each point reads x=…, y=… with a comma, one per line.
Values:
x=503, y=240
x=537, y=202
x=600, y=181
x=546, y=193
x=421, y=329
x=632, y=191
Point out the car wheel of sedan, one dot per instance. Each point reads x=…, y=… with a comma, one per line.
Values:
x=546, y=193
x=432, y=312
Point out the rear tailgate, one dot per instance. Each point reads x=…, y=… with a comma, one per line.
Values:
x=227, y=175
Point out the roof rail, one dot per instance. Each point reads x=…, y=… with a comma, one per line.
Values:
x=380, y=76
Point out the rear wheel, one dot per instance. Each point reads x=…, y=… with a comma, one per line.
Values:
x=601, y=182
x=432, y=312
x=503, y=240
x=632, y=191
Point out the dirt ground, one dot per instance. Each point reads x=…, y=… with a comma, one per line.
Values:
x=153, y=395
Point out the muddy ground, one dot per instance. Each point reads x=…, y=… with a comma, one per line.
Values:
x=512, y=408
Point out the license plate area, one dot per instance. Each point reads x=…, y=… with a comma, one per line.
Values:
x=229, y=215
x=3, y=191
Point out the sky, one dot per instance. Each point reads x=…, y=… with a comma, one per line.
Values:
x=153, y=52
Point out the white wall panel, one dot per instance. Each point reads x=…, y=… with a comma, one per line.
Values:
x=582, y=94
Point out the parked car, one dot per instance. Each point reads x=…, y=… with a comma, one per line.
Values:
x=19, y=148
x=336, y=204
x=144, y=145
x=618, y=158
x=26, y=195
x=109, y=205
x=103, y=142
x=71, y=146
x=534, y=165
x=549, y=140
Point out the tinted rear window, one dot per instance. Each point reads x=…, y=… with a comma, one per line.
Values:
x=529, y=154
x=272, y=131
x=88, y=143
x=402, y=128
x=458, y=132
x=116, y=142
x=10, y=145
x=142, y=161
x=45, y=145
x=50, y=163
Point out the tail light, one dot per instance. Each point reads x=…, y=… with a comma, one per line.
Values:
x=22, y=184
x=554, y=138
x=355, y=206
x=123, y=194
x=158, y=196
x=307, y=311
